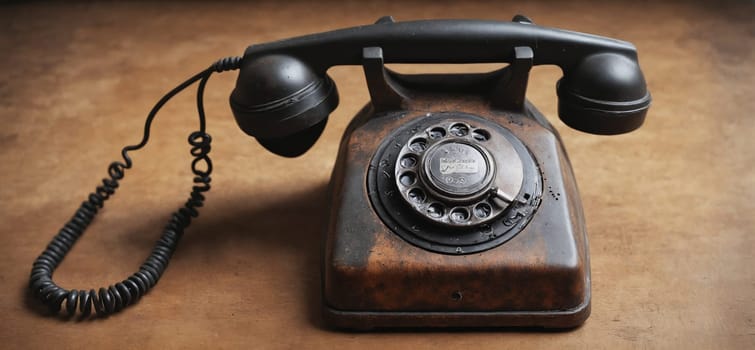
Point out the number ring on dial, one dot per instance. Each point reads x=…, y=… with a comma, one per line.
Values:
x=447, y=172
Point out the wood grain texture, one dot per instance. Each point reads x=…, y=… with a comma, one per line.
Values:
x=668, y=208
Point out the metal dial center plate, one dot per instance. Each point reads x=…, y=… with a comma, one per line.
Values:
x=457, y=169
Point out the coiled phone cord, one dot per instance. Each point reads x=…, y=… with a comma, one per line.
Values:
x=114, y=298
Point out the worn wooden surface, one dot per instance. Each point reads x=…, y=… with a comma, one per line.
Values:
x=669, y=207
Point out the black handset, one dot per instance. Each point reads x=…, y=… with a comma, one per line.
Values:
x=283, y=89
x=446, y=179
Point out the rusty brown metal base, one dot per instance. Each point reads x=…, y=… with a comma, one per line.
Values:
x=372, y=278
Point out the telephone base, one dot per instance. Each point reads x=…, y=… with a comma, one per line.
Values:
x=374, y=277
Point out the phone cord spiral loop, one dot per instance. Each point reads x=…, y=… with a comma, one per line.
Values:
x=117, y=296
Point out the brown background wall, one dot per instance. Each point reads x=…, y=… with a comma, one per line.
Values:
x=669, y=208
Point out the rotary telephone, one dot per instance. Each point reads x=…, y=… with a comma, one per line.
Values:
x=452, y=200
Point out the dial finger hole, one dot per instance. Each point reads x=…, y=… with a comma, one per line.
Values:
x=459, y=214
x=435, y=210
x=459, y=130
x=482, y=210
x=418, y=145
x=408, y=178
x=408, y=161
x=416, y=195
x=436, y=133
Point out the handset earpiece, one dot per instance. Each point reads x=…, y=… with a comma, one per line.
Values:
x=282, y=102
x=605, y=93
